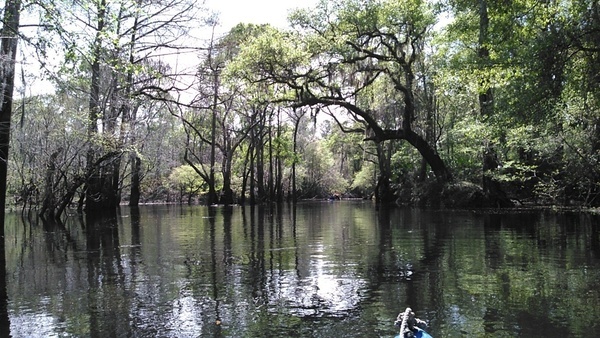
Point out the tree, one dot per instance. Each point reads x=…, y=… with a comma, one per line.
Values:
x=185, y=180
x=347, y=47
x=527, y=64
x=115, y=52
x=491, y=163
x=352, y=156
x=209, y=93
x=8, y=54
x=296, y=115
x=319, y=175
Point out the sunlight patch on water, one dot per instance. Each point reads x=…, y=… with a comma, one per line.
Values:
x=324, y=292
x=185, y=317
x=34, y=325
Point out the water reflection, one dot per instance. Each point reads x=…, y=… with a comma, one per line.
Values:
x=315, y=270
x=4, y=316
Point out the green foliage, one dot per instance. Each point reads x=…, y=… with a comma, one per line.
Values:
x=405, y=160
x=364, y=62
x=319, y=175
x=268, y=56
x=186, y=181
x=347, y=148
x=365, y=180
x=283, y=147
x=537, y=67
x=465, y=143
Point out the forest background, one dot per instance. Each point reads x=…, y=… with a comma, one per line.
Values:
x=462, y=103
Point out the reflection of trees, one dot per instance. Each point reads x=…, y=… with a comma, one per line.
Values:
x=516, y=274
x=411, y=250
x=595, y=236
x=214, y=270
x=4, y=319
x=136, y=242
x=268, y=271
x=72, y=272
x=256, y=271
x=105, y=269
x=293, y=273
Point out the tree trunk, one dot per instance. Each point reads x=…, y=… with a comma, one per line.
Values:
x=115, y=190
x=486, y=98
x=279, y=162
x=134, y=198
x=491, y=187
x=8, y=53
x=271, y=183
x=8, y=56
x=245, y=174
x=68, y=197
x=279, y=181
x=596, y=136
x=434, y=160
x=260, y=167
x=212, y=191
x=430, y=112
x=383, y=190
x=129, y=117
x=96, y=180
x=295, y=147
x=227, y=195
x=252, y=171
x=49, y=200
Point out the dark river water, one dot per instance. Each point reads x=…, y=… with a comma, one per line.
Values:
x=323, y=269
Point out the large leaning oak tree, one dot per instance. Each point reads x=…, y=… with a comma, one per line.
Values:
x=340, y=52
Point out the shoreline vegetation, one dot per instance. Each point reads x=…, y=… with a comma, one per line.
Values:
x=417, y=103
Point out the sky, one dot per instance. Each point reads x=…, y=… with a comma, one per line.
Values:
x=274, y=12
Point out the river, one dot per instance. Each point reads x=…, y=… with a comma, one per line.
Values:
x=320, y=269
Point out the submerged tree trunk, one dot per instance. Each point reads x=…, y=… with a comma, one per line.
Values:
x=383, y=190
x=49, y=199
x=227, y=197
x=98, y=184
x=136, y=163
